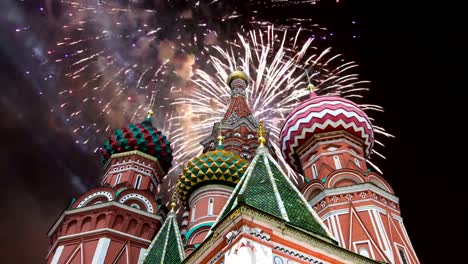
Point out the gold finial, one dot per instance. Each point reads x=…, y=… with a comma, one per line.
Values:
x=261, y=133
x=151, y=106
x=173, y=203
x=311, y=85
x=173, y=206
x=220, y=136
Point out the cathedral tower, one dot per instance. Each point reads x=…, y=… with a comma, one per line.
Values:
x=204, y=187
x=327, y=139
x=238, y=125
x=115, y=222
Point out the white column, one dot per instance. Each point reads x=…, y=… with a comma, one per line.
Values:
x=141, y=257
x=101, y=251
x=57, y=255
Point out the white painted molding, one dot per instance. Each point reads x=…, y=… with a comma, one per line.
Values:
x=99, y=206
x=351, y=189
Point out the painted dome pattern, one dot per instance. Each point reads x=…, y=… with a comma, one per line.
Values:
x=322, y=114
x=215, y=167
x=143, y=137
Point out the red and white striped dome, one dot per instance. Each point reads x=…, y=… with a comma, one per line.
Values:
x=321, y=114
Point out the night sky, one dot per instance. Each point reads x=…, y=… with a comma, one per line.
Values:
x=408, y=52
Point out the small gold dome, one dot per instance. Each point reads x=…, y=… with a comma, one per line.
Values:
x=237, y=75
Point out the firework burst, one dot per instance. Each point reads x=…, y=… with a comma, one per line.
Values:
x=277, y=63
x=111, y=55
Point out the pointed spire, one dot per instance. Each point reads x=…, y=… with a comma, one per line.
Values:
x=261, y=134
x=166, y=247
x=267, y=189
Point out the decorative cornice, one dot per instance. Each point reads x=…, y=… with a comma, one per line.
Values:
x=351, y=189
x=101, y=230
x=250, y=213
x=208, y=188
x=133, y=152
x=349, y=138
x=99, y=206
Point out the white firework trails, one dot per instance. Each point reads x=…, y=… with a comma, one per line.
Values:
x=276, y=63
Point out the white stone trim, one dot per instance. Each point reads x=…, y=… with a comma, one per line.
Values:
x=339, y=140
x=141, y=256
x=279, y=201
x=98, y=206
x=90, y=197
x=139, y=197
x=407, y=255
x=402, y=226
x=335, y=230
x=351, y=189
x=358, y=208
x=387, y=248
x=101, y=250
x=212, y=190
x=338, y=223
x=112, y=231
x=57, y=255
x=368, y=246
x=375, y=228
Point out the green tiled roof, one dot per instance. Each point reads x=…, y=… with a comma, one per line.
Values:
x=266, y=188
x=217, y=166
x=166, y=247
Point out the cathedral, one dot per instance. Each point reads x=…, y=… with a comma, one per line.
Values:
x=234, y=203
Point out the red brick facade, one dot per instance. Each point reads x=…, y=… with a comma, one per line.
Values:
x=358, y=206
x=113, y=223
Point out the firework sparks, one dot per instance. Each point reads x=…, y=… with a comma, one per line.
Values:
x=277, y=72
x=110, y=56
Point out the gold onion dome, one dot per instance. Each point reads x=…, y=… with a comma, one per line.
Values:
x=237, y=75
x=214, y=167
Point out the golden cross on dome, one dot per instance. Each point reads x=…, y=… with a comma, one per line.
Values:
x=151, y=106
x=261, y=133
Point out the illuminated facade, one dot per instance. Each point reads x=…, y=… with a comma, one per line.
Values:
x=235, y=203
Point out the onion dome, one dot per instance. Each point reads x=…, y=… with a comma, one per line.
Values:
x=215, y=167
x=143, y=137
x=237, y=75
x=322, y=114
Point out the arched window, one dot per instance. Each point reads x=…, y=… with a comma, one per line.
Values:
x=117, y=180
x=192, y=213
x=356, y=161
x=210, y=206
x=314, y=171
x=337, y=161
x=403, y=256
x=364, y=252
x=138, y=182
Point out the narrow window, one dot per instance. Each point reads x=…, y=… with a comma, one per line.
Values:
x=337, y=162
x=138, y=182
x=117, y=180
x=314, y=171
x=403, y=256
x=356, y=161
x=364, y=252
x=192, y=213
x=210, y=206
x=151, y=187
